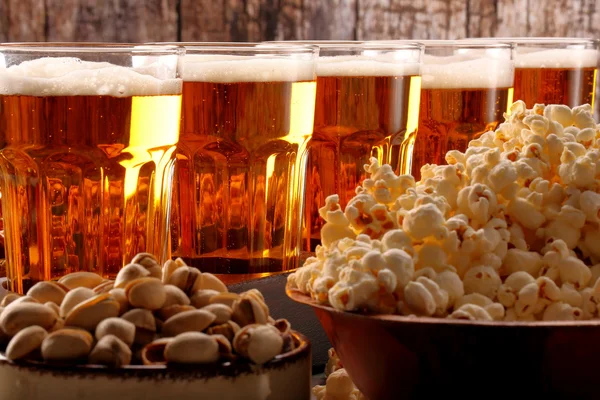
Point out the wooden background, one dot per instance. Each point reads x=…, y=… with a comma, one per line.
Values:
x=255, y=20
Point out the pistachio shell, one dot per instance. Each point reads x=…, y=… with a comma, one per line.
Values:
x=167, y=312
x=227, y=298
x=53, y=307
x=9, y=298
x=145, y=325
x=89, y=313
x=149, y=262
x=129, y=273
x=221, y=311
x=248, y=311
x=23, y=299
x=185, y=278
x=67, y=345
x=192, y=348
x=283, y=326
x=154, y=353
x=179, y=261
x=168, y=268
x=104, y=287
x=46, y=291
x=74, y=297
x=25, y=342
x=22, y=315
x=81, y=279
x=226, y=329
x=224, y=344
x=289, y=343
x=187, y=321
x=201, y=298
x=175, y=296
x=111, y=351
x=148, y=293
x=254, y=293
x=259, y=343
x=209, y=281
x=59, y=324
x=124, y=330
x=121, y=298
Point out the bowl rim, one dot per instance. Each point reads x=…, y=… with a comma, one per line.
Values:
x=299, y=297
x=178, y=371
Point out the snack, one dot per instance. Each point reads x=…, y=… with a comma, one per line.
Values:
x=339, y=385
x=148, y=315
x=508, y=230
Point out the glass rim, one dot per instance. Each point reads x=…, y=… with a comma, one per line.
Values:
x=242, y=47
x=542, y=40
x=467, y=44
x=348, y=45
x=90, y=47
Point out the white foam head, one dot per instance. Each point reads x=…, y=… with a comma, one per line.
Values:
x=531, y=57
x=457, y=72
x=67, y=76
x=230, y=69
x=364, y=66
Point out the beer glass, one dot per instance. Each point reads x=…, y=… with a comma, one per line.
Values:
x=87, y=136
x=246, y=120
x=466, y=88
x=367, y=106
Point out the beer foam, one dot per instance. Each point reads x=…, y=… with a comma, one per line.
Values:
x=527, y=57
x=230, y=69
x=455, y=72
x=364, y=66
x=67, y=76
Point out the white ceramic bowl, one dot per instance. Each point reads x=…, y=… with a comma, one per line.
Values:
x=286, y=377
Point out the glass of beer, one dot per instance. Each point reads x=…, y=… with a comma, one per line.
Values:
x=555, y=70
x=466, y=89
x=246, y=120
x=87, y=138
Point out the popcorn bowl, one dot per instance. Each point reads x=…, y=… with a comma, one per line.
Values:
x=285, y=377
x=397, y=357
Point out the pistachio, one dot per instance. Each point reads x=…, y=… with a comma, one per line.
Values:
x=59, y=324
x=47, y=291
x=89, y=313
x=67, y=345
x=289, y=343
x=192, y=348
x=22, y=315
x=149, y=262
x=9, y=298
x=53, y=307
x=179, y=261
x=225, y=298
x=254, y=293
x=167, y=312
x=154, y=353
x=169, y=268
x=81, y=279
x=185, y=278
x=248, y=311
x=224, y=345
x=283, y=326
x=201, y=298
x=209, y=281
x=228, y=329
x=111, y=351
x=23, y=299
x=148, y=293
x=121, y=298
x=221, y=311
x=73, y=298
x=124, y=330
x=259, y=343
x=187, y=321
x=25, y=342
x=145, y=325
x=104, y=287
x=129, y=273
x=175, y=296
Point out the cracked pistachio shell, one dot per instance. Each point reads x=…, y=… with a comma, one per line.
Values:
x=25, y=342
x=89, y=313
x=192, y=348
x=129, y=273
x=188, y=321
x=73, y=298
x=259, y=343
x=148, y=293
x=111, y=351
x=22, y=315
x=67, y=345
x=81, y=279
x=47, y=291
x=118, y=327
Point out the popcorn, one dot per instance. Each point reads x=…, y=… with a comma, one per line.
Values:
x=339, y=386
x=508, y=230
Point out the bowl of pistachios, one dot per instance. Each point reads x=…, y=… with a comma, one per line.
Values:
x=154, y=332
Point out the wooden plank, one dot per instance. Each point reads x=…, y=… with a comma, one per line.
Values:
x=335, y=20
x=3, y=22
x=203, y=20
x=482, y=18
x=115, y=21
x=25, y=20
x=411, y=19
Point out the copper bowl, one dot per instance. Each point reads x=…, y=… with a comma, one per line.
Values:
x=396, y=357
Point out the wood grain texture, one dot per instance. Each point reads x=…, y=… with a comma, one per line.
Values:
x=336, y=19
x=25, y=20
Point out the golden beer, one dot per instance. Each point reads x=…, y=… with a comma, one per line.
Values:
x=463, y=95
x=82, y=172
x=241, y=159
x=356, y=117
